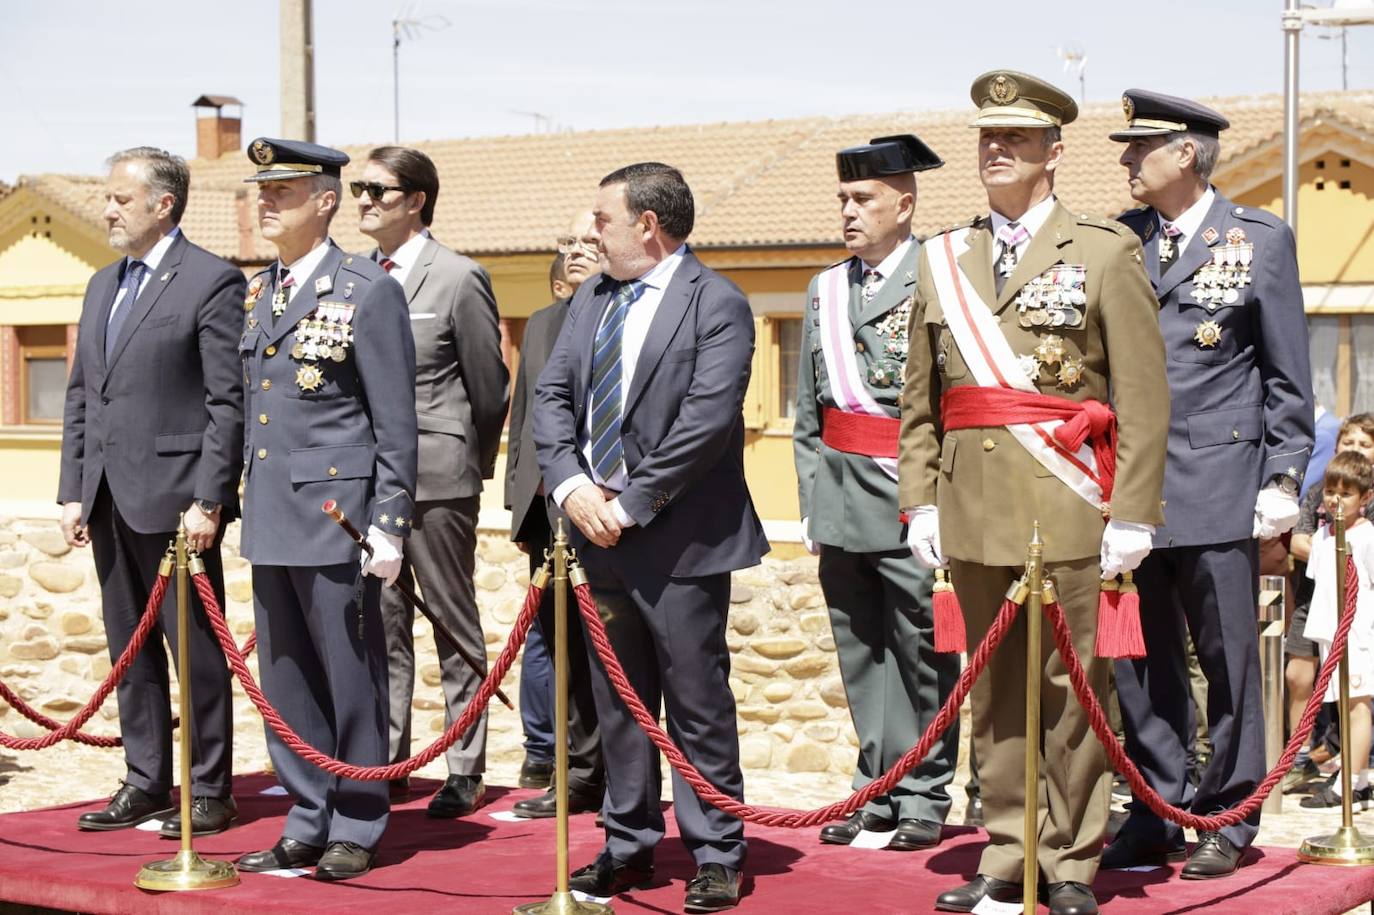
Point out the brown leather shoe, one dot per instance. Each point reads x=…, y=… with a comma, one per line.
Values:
x=1214, y=856
x=965, y=898
x=129, y=807
x=846, y=832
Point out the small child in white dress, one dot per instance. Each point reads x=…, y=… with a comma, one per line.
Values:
x=1349, y=483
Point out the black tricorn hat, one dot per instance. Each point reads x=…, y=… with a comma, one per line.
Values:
x=894, y=155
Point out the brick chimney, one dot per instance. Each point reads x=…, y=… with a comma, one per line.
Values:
x=216, y=132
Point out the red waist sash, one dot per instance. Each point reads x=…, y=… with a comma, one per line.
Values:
x=859, y=433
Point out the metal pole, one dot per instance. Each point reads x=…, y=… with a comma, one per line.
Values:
x=1292, y=29
x=1035, y=579
x=1271, y=619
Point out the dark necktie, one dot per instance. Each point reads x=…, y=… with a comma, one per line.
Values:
x=1170, y=241
x=387, y=264
x=608, y=455
x=279, y=299
x=125, y=297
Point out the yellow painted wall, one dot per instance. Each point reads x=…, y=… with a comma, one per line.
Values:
x=1335, y=225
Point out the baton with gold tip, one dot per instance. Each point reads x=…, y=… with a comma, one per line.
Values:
x=331, y=508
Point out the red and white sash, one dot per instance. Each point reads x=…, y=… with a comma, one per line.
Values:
x=989, y=357
x=847, y=383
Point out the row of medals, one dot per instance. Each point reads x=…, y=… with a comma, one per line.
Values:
x=1221, y=281
x=1055, y=298
x=326, y=334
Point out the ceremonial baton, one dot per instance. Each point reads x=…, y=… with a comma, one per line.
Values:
x=331, y=508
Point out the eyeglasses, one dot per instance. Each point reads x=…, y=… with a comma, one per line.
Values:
x=568, y=244
x=374, y=190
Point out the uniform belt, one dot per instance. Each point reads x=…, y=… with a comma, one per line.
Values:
x=860, y=433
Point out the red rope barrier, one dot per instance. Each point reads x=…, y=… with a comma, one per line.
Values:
x=71, y=730
x=1122, y=763
x=338, y=767
x=946, y=716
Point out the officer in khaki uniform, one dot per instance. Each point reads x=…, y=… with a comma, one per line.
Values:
x=329, y=378
x=845, y=437
x=1067, y=299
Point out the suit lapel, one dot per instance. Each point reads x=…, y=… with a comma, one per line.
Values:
x=671, y=309
x=1149, y=242
x=104, y=294
x=895, y=288
x=306, y=299
x=1199, y=248
x=415, y=277
x=1041, y=254
x=158, y=282
x=976, y=261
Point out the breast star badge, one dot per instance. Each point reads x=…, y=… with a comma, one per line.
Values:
x=1070, y=373
x=1030, y=366
x=308, y=378
x=1050, y=349
x=1207, y=334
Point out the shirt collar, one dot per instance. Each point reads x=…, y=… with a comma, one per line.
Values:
x=1032, y=219
x=888, y=265
x=303, y=268
x=408, y=255
x=659, y=275
x=1190, y=220
x=157, y=252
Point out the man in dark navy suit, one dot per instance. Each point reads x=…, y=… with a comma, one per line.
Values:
x=640, y=430
x=151, y=436
x=1240, y=434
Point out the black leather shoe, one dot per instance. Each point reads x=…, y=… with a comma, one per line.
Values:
x=129, y=807
x=1127, y=850
x=398, y=789
x=535, y=774
x=606, y=877
x=848, y=831
x=912, y=835
x=343, y=861
x=715, y=888
x=460, y=796
x=287, y=853
x=1069, y=898
x=973, y=813
x=964, y=898
x=209, y=815
x=546, y=804
x=1213, y=856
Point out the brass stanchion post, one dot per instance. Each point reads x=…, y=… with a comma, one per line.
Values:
x=188, y=870
x=1271, y=622
x=1035, y=580
x=1346, y=846
x=562, y=901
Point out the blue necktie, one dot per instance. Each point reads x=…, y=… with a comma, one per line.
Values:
x=608, y=455
x=133, y=278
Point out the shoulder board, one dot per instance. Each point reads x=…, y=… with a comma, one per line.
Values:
x=1255, y=214
x=1101, y=222
x=969, y=223
x=362, y=266
x=1134, y=213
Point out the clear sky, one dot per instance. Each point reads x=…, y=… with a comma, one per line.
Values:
x=82, y=78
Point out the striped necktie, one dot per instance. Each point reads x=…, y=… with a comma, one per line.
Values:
x=608, y=455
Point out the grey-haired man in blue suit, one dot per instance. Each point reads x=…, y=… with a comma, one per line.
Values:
x=1240, y=434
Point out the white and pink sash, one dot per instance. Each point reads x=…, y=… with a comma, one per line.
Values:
x=847, y=383
x=989, y=357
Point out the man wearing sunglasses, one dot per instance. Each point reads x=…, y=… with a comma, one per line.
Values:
x=460, y=402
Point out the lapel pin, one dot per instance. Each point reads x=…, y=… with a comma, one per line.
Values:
x=1210, y=235
x=348, y=290
x=165, y=277
x=323, y=285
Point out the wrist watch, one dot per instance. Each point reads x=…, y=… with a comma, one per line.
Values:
x=1286, y=484
x=207, y=506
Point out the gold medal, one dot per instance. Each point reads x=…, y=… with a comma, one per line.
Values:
x=1070, y=373
x=1208, y=334
x=338, y=353
x=308, y=378
x=298, y=351
x=1050, y=350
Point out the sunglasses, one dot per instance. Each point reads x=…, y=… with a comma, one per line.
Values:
x=374, y=190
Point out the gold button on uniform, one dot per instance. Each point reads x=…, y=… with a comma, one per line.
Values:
x=271, y=350
x=859, y=347
x=333, y=471
x=1235, y=433
x=267, y=384
x=989, y=444
x=262, y=418
x=262, y=454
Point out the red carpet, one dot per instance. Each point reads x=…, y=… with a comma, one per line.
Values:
x=481, y=865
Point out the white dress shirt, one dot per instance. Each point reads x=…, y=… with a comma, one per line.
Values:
x=151, y=260
x=888, y=265
x=1031, y=221
x=637, y=321
x=1189, y=222
x=406, y=256
x=304, y=267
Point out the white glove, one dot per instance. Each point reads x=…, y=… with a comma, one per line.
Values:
x=385, y=561
x=1275, y=512
x=811, y=546
x=923, y=536
x=1124, y=545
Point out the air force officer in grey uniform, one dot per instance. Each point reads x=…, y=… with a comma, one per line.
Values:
x=329, y=373
x=1239, y=437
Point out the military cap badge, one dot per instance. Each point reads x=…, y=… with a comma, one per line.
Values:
x=262, y=152
x=1003, y=89
x=1128, y=106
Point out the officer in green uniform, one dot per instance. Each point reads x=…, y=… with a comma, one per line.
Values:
x=853, y=358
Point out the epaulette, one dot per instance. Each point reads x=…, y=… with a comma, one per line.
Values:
x=364, y=267
x=1255, y=214
x=1101, y=222
x=970, y=223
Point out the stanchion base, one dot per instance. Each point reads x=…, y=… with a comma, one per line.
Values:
x=563, y=904
x=187, y=871
x=1345, y=847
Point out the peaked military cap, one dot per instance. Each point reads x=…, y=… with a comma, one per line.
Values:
x=1006, y=98
x=278, y=160
x=1153, y=114
x=894, y=155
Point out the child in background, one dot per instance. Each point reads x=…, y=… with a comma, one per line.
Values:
x=1349, y=483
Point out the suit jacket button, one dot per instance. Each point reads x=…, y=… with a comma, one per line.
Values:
x=267, y=384
x=262, y=418
x=262, y=454
x=271, y=351
x=333, y=471
x=989, y=444
x=105, y=401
